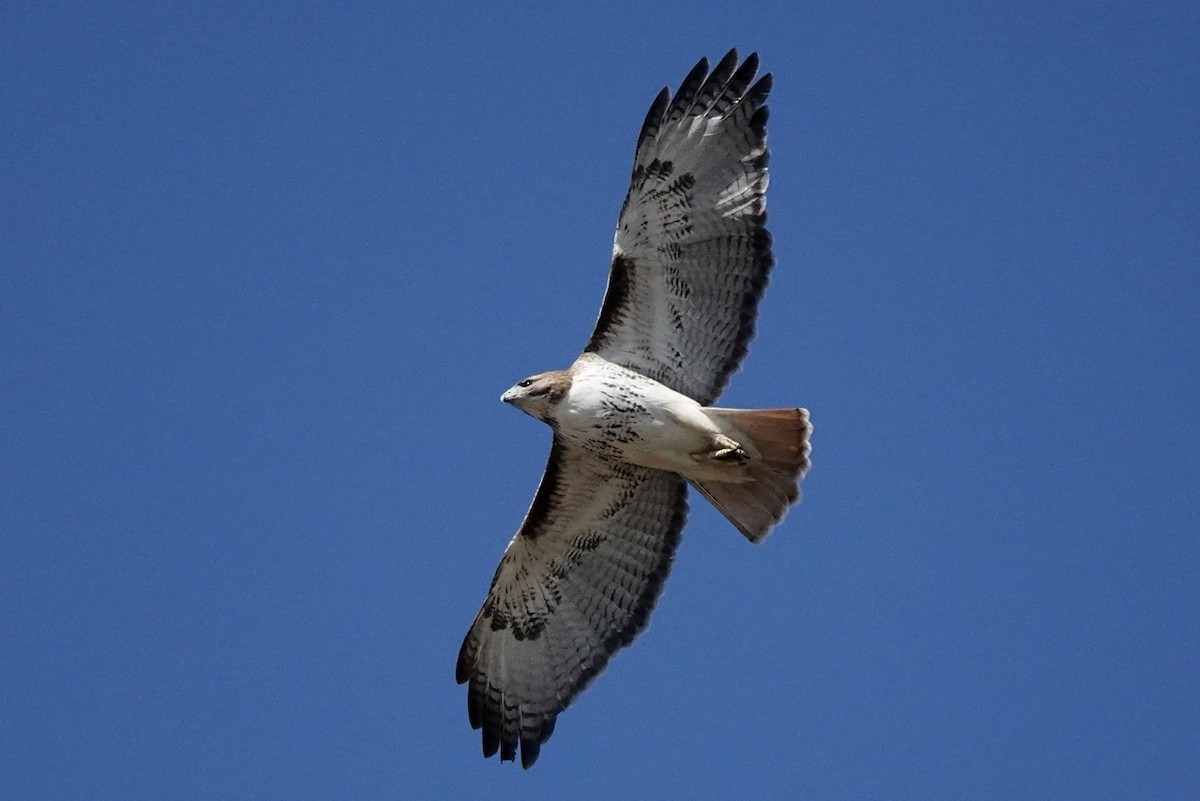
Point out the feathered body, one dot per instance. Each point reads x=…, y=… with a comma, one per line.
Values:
x=616, y=413
x=633, y=418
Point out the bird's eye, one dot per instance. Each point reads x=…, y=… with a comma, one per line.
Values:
x=526, y=383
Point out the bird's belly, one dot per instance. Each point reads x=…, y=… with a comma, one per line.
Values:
x=640, y=431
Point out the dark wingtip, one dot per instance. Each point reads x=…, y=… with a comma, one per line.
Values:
x=751, y=62
x=508, y=749
x=529, y=752
x=462, y=666
x=726, y=66
x=491, y=742
x=758, y=124
x=474, y=711
x=757, y=94
x=658, y=106
x=686, y=92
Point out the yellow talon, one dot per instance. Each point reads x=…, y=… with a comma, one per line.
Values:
x=724, y=450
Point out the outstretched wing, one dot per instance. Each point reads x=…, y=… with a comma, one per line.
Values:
x=576, y=584
x=691, y=254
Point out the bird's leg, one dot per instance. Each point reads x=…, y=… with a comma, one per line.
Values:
x=723, y=449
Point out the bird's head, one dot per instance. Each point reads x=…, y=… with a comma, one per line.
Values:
x=539, y=394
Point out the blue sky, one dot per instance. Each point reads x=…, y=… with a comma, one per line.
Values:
x=264, y=274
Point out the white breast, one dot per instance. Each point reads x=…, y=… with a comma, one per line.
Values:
x=624, y=415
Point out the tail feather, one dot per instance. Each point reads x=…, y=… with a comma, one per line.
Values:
x=758, y=493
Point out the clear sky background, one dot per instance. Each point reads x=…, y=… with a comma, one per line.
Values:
x=264, y=275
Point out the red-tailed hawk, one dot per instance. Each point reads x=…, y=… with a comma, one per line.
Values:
x=632, y=420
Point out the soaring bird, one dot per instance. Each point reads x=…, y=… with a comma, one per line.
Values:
x=633, y=419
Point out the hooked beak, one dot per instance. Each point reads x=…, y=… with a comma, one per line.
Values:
x=509, y=396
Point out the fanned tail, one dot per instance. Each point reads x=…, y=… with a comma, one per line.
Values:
x=759, y=492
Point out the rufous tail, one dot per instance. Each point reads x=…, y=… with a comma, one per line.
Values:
x=759, y=492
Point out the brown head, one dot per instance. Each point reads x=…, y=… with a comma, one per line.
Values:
x=539, y=394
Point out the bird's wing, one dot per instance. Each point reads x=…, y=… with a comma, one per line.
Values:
x=576, y=584
x=691, y=254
